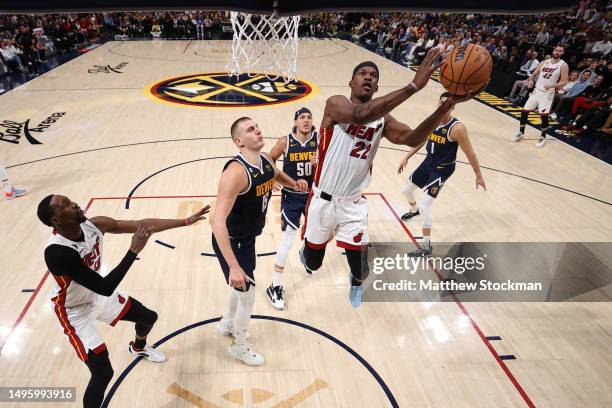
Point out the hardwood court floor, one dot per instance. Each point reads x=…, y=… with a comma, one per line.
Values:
x=113, y=136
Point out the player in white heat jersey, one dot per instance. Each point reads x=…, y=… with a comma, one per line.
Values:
x=82, y=295
x=550, y=75
x=351, y=131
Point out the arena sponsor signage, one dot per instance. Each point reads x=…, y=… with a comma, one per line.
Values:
x=12, y=131
x=107, y=69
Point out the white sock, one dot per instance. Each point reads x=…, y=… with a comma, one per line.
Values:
x=414, y=207
x=426, y=241
x=246, y=302
x=4, y=177
x=285, y=245
x=231, y=306
x=277, y=278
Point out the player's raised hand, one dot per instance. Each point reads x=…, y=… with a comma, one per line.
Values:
x=480, y=182
x=140, y=238
x=454, y=99
x=301, y=185
x=200, y=215
x=430, y=63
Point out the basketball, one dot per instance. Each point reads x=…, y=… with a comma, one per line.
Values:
x=466, y=68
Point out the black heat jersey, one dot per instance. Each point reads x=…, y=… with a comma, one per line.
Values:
x=248, y=215
x=441, y=150
x=296, y=162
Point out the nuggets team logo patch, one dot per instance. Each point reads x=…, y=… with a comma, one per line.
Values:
x=220, y=90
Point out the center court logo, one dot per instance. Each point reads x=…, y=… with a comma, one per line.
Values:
x=220, y=90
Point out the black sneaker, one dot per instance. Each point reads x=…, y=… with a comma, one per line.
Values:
x=410, y=214
x=275, y=296
x=421, y=252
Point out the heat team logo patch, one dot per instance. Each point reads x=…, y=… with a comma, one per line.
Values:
x=220, y=90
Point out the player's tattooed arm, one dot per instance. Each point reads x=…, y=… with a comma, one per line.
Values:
x=110, y=225
x=278, y=149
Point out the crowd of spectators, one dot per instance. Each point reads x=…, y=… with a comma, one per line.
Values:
x=517, y=43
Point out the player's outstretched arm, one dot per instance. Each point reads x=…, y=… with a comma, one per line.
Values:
x=459, y=133
x=338, y=109
x=401, y=134
x=64, y=261
x=407, y=157
x=110, y=225
x=284, y=180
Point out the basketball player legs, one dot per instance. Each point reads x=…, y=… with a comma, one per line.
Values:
x=540, y=101
x=110, y=310
x=240, y=306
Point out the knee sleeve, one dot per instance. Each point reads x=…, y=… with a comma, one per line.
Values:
x=143, y=317
x=101, y=375
x=284, y=247
x=314, y=256
x=425, y=209
x=358, y=263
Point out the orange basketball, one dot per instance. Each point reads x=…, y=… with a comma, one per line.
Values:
x=466, y=68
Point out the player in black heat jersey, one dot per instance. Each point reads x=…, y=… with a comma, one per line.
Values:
x=299, y=151
x=438, y=166
x=244, y=191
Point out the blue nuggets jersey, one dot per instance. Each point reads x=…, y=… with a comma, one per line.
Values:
x=440, y=149
x=296, y=162
x=248, y=215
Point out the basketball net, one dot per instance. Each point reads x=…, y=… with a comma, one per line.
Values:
x=265, y=45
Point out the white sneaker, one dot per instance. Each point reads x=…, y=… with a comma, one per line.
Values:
x=541, y=142
x=226, y=327
x=518, y=136
x=15, y=192
x=147, y=352
x=553, y=116
x=244, y=353
x=275, y=296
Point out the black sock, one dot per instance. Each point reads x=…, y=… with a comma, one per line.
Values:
x=524, y=116
x=358, y=263
x=355, y=282
x=544, y=126
x=140, y=343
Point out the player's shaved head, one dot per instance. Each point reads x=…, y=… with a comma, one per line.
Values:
x=237, y=122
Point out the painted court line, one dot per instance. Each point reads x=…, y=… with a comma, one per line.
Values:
x=474, y=325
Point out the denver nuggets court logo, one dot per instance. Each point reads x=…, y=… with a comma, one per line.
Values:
x=220, y=90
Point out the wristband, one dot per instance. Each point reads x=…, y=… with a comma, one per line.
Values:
x=413, y=85
x=186, y=221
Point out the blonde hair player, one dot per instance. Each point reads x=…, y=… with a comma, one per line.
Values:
x=299, y=151
x=243, y=195
x=549, y=76
x=351, y=130
x=438, y=166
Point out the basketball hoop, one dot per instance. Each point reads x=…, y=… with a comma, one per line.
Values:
x=264, y=44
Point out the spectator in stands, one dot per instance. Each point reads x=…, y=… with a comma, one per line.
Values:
x=10, y=55
x=591, y=95
x=156, y=31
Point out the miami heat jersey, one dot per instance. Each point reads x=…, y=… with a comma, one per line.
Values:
x=440, y=148
x=67, y=291
x=346, y=153
x=549, y=75
x=296, y=162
